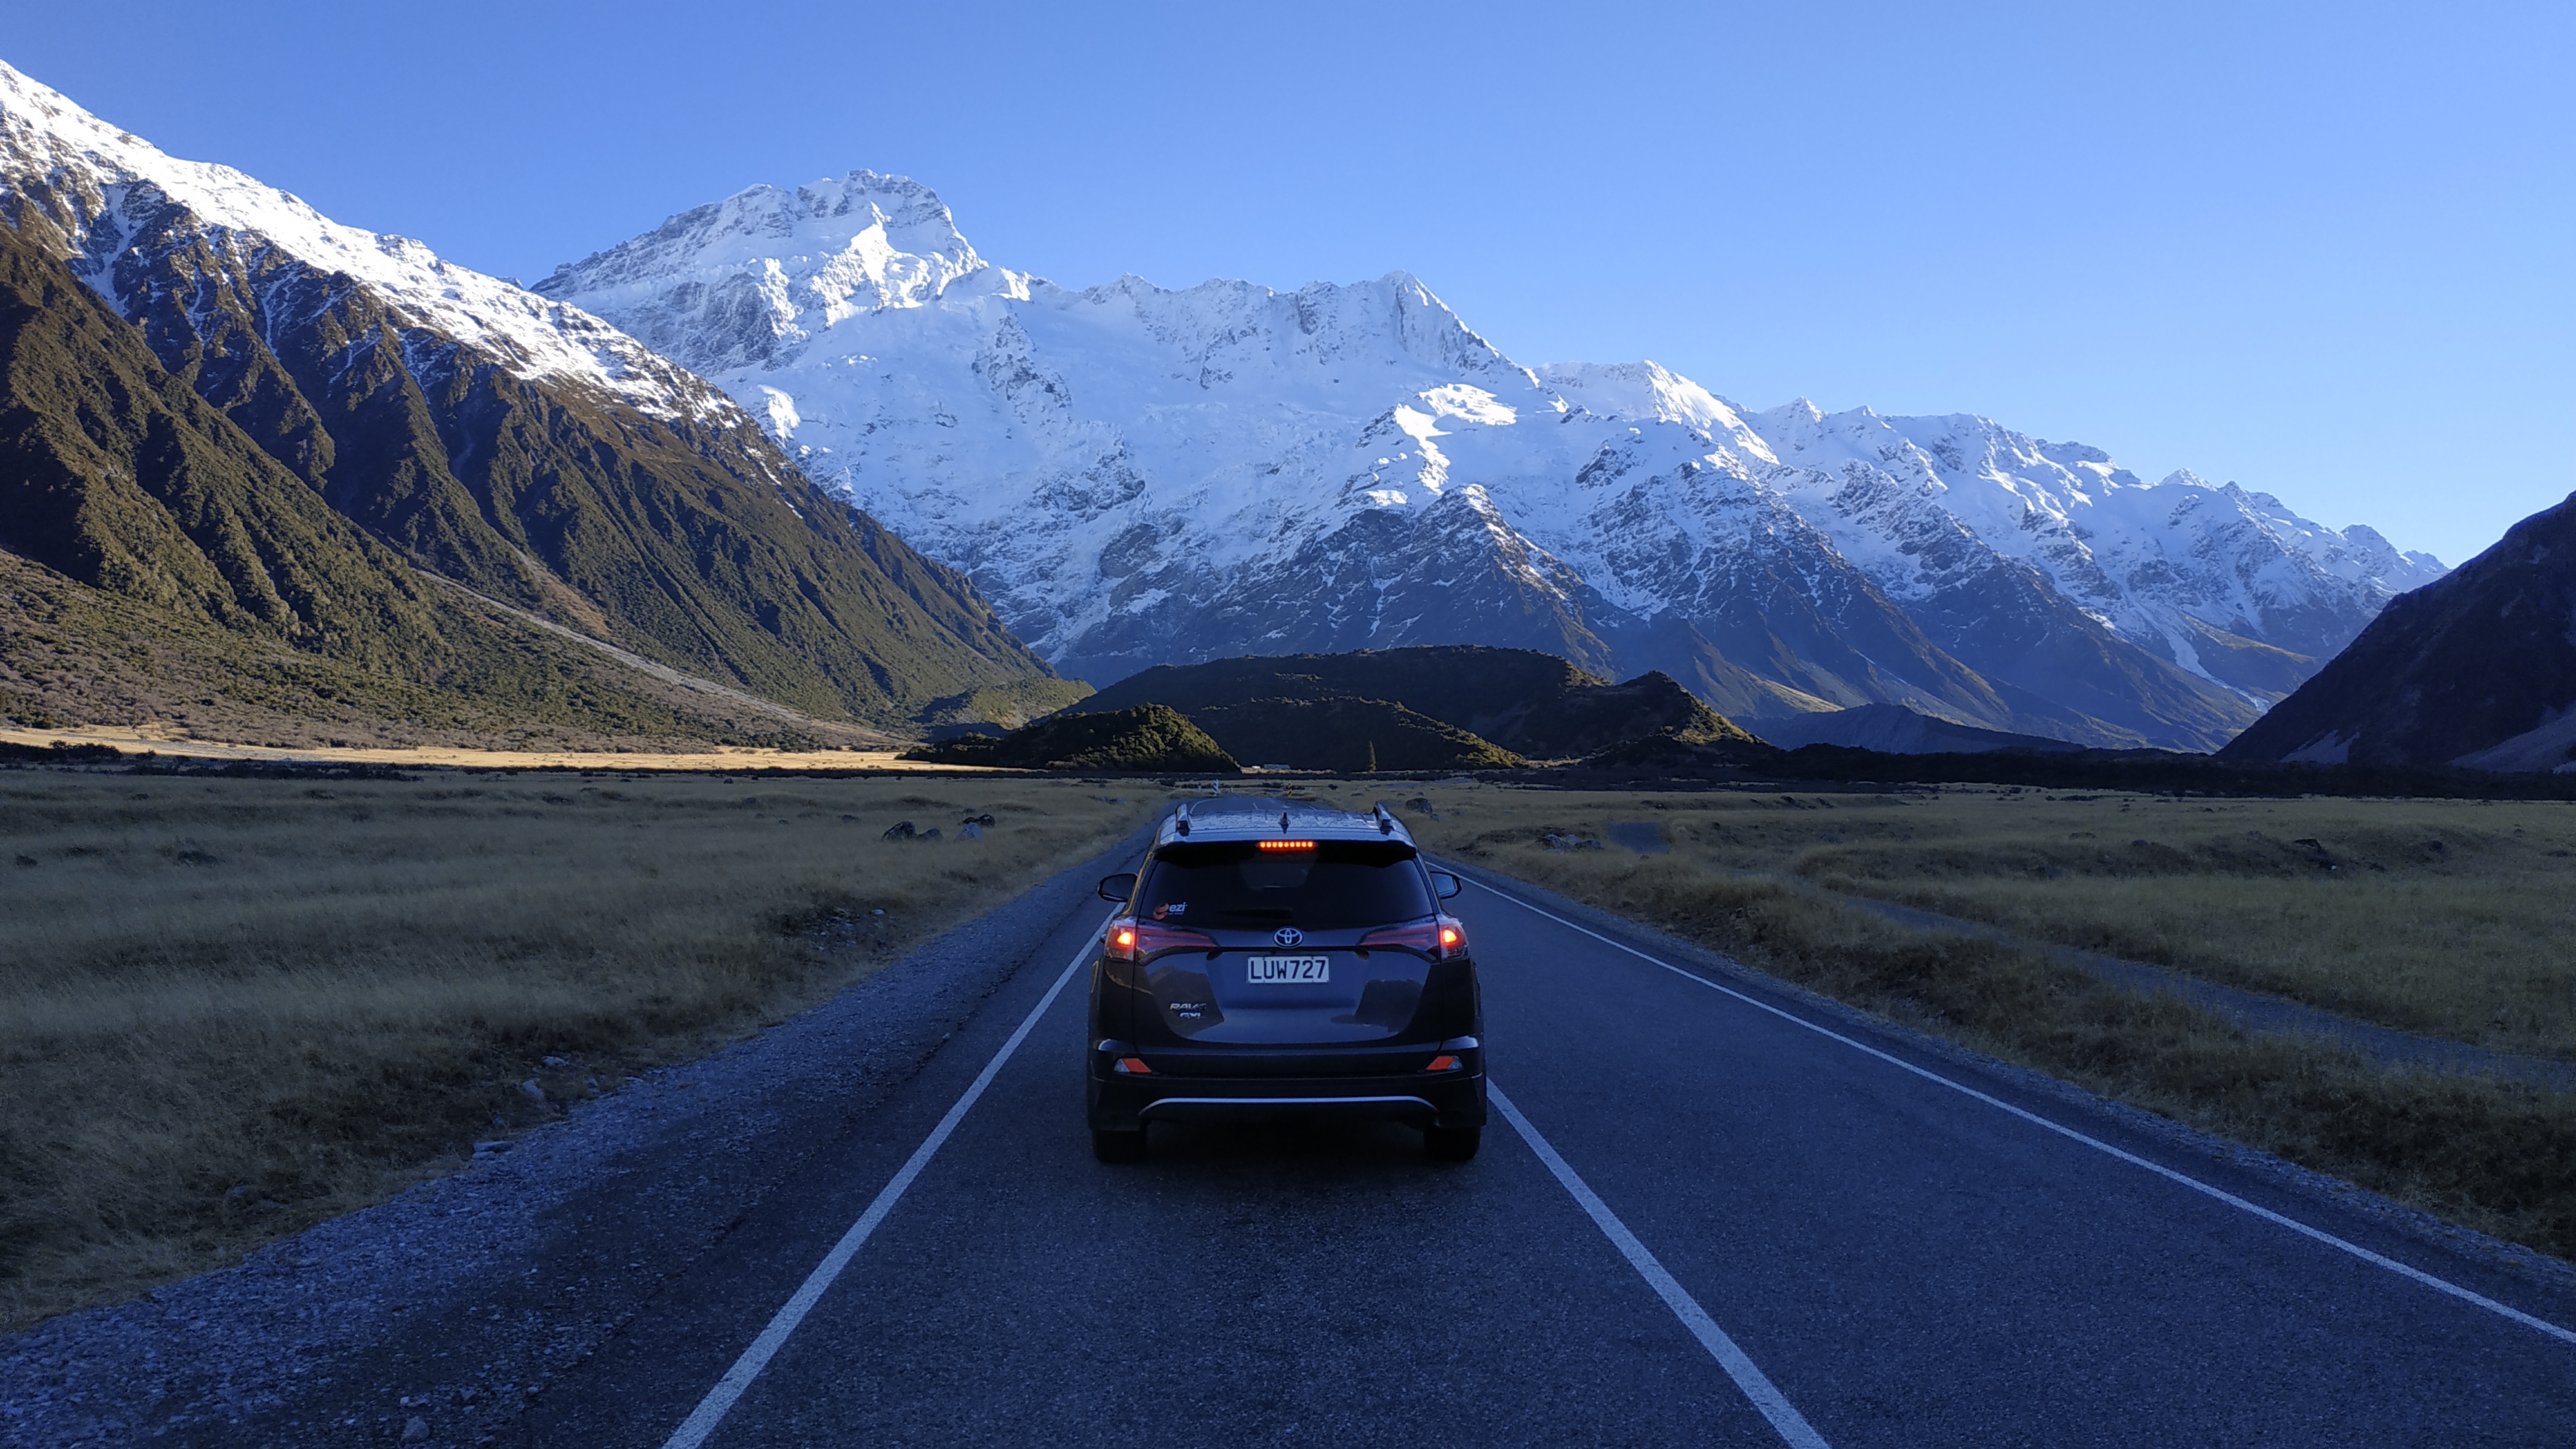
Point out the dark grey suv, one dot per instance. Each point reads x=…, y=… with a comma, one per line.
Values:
x=1285, y=961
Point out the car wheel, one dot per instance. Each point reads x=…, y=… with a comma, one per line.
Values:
x=1118, y=1146
x=1451, y=1144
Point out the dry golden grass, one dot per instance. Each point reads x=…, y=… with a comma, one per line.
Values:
x=230, y=1008
x=2500, y=1157
x=166, y=745
x=2455, y=918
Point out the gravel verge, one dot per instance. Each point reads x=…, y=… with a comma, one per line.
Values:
x=494, y=1264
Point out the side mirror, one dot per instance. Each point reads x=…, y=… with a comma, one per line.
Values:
x=1446, y=884
x=1118, y=887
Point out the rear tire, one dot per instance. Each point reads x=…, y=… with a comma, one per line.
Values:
x=1451, y=1144
x=1121, y=1146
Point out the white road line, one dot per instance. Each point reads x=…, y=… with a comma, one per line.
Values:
x=2438, y=1285
x=1766, y=1396
x=711, y=1410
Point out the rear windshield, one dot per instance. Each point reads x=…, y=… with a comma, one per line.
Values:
x=1234, y=885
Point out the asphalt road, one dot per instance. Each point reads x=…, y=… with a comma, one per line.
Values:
x=1825, y=1237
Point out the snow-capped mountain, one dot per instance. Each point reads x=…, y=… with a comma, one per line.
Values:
x=105, y=188
x=501, y=440
x=1137, y=476
x=2163, y=564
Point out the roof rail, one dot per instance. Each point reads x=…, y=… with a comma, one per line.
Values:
x=1181, y=819
x=1385, y=822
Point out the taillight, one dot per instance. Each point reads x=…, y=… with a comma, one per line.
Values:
x=1439, y=938
x=1129, y=940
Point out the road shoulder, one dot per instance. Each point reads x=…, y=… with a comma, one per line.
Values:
x=512, y=1272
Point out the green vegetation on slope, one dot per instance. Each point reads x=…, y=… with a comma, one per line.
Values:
x=1007, y=705
x=156, y=567
x=73, y=656
x=692, y=543
x=1147, y=737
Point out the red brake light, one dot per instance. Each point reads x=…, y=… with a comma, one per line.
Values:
x=1136, y=940
x=1439, y=938
x=1286, y=844
x=1423, y=936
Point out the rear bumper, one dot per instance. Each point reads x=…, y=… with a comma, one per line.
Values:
x=1121, y=1103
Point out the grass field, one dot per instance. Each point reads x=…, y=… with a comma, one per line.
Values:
x=2473, y=937
x=2455, y=918
x=230, y=1008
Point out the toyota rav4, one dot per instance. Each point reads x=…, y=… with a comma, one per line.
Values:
x=1284, y=961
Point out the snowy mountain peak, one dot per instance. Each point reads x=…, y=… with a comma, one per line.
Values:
x=103, y=189
x=1648, y=390
x=748, y=280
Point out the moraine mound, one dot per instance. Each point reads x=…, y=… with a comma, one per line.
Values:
x=1147, y=737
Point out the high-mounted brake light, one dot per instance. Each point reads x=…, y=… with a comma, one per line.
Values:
x=1285, y=844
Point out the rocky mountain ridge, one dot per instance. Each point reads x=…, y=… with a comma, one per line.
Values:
x=2477, y=670
x=512, y=445
x=1138, y=475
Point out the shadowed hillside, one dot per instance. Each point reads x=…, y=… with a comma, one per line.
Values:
x=1516, y=701
x=2477, y=668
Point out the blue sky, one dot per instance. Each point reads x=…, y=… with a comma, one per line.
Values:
x=2322, y=250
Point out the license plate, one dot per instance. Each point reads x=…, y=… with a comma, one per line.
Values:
x=1301, y=969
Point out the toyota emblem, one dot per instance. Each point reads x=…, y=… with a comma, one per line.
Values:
x=1288, y=936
